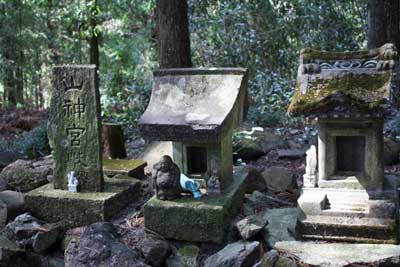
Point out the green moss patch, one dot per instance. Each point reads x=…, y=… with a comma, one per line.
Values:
x=364, y=91
x=309, y=54
x=78, y=209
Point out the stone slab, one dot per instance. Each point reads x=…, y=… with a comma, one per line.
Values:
x=281, y=225
x=342, y=254
x=79, y=209
x=133, y=168
x=203, y=220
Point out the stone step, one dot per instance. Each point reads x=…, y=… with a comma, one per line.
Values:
x=348, y=228
x=344, y=207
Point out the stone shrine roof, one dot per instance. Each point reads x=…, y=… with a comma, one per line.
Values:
x=195, y=105
x=345, y=83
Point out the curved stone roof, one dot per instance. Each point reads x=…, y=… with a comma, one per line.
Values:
x=194, y=105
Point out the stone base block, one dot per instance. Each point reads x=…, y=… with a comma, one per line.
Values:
x=348, y=215
x=78, y=209
x=188, y=219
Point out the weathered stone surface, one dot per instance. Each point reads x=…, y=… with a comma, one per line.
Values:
x=74, y=127
x=154, y=250
x=78, y=209
x=22, y=175
x=12, y=204
x=279, y=179
x=255, y=180
x=48, y=238
x=291, y=153
x=250, y=226
x=8, y=157
x=281, y=225
x=240, y=254
x=263, y=200
x=194, y=105
x=200, y=220
x=348, y=83
x=28, y=231
x=259, y=144
x=9, y=252
x=185, y=257
x=343, y=254
x=100, y=245
x=391, y=152
x=270, y=258
x=285, y=262
x=152, y=153
x=354, y=216
x=132, y=168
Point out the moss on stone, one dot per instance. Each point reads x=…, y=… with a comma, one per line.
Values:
x=78, y=209
x=187, y=219
x=189, y=251
x=366, y=92
x=309, y=54
x=123, y=165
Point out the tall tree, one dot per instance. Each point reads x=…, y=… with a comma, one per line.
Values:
x=173, y=34
x=384, y=23
x=94, y=35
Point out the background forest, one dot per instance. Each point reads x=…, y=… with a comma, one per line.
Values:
x=264, y=36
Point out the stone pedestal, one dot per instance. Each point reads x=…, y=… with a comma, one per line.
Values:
x=188, y=219
x=351, y=215
x=79, y=209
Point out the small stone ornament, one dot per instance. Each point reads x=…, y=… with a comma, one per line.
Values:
x=310, y=177
x=166, y=179
x=72, y=182
x=212, y=181
x=191, y=185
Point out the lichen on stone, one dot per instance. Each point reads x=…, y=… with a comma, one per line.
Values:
x=366, y=92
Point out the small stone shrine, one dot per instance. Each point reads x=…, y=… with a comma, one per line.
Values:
x=197, y=109
x=347, y=197
x=79, y=195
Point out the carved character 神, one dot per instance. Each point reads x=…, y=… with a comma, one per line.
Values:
x=166, y=179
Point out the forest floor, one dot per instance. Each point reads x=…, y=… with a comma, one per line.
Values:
x=15, y=122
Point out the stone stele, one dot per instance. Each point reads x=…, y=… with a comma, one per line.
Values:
x=74, y=127
x=74, y=134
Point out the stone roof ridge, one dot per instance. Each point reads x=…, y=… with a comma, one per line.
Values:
x=379, y=59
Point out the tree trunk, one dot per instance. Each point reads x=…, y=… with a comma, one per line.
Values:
x=384, y=23
x=19, y=82
x=51, y=35
x=173, y=34
x=113, y=141
x=94, y=45
x=10, y=99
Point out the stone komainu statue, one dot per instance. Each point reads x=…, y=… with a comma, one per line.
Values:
x=166, y=179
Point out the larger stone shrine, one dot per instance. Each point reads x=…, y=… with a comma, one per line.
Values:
x=348, y=94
